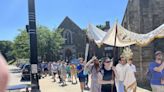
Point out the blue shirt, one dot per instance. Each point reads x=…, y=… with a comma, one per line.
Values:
x=155, y=76
x=44, y=65
x=81, y=74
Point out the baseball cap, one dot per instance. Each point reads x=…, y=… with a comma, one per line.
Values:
x=158, y=52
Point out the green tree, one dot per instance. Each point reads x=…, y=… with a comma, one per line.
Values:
x=21, y=45
x=6, y=48
x=43, y=35
x=49, y=42
x=57, y=43
x=101, y=27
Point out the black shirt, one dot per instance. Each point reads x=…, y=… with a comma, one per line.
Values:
x=107, y=76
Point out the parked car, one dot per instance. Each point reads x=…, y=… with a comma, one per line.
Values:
x=21, y=66
x=26, y=70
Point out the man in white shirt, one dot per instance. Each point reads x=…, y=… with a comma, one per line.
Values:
x=121, y=68
x=54, y=68
x=130, y=79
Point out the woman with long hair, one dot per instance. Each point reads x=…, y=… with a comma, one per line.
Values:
x=93, y=66
x=107, y=75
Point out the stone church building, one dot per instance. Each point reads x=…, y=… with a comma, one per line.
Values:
x=143, y=16
x=75, y=42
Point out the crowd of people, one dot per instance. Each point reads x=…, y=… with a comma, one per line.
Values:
x=61, y=70
x=105, y=77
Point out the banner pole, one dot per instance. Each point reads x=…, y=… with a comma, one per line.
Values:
x=86, y=49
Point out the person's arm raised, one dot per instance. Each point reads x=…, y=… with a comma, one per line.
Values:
x=160, y=68
x=89, y=62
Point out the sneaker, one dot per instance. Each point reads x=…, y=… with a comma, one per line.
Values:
x=63, y=85
x=87, y=88
x=59, y=82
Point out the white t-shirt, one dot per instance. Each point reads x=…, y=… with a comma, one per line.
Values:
x=133, y=67
x=121, y=70
x=54, y=67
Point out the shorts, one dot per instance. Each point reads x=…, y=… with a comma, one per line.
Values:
x=82, y=79
x=45, y=69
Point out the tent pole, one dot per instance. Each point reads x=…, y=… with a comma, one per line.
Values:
x=115, y=50
x=115, y=55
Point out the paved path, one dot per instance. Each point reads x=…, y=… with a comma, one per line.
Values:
x=47, y=84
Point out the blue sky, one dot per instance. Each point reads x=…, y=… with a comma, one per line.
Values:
x=51, y=13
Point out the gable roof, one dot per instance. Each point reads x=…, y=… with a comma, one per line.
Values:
x=67, y=23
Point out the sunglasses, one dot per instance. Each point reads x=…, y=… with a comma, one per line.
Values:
x=107, y=61
x=131, y=59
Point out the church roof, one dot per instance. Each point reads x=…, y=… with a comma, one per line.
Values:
x=67, y=23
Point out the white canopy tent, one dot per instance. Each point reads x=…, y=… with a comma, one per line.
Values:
x=95, y=34
x=109, y=38
x=140, y=39
x=124, y=37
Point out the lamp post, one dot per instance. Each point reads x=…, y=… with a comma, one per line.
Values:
x=33, y=46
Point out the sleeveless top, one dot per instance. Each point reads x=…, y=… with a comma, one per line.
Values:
x=107, y=76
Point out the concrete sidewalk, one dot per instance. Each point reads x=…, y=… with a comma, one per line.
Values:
x=47, y=85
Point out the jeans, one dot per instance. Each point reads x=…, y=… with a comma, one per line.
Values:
x=120, y=86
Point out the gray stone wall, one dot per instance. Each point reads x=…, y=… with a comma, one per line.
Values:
x=143, y=16
x=78, y=38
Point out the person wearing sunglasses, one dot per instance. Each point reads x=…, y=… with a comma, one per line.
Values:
x=107, y=76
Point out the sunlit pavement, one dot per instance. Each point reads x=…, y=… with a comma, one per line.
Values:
x=47, y=84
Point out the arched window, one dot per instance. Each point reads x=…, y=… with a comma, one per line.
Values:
x=68, y=37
